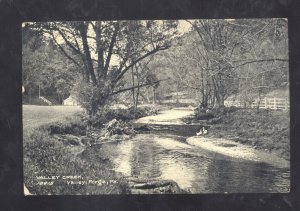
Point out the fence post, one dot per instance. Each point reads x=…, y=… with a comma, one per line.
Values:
x=266, y=105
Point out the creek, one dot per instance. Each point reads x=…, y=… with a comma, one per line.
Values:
x=164, y=154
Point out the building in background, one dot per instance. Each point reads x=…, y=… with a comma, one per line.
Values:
x=70, y=101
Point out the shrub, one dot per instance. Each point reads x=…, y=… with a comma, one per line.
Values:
x=92, y=97
x=106, y=115
x=76, y=125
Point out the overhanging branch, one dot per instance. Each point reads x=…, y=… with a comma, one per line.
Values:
x=261, y=60
x=63, y=51
x=139, y=59
x=138, y=86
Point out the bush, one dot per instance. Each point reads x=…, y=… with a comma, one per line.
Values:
x=126, y=115
x=92, y=97
x=207, y=114
x=118, y=127
x=71, y=128
x=203, y=114
x=76, y=125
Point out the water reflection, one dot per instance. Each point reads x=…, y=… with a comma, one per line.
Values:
x=185, y=175
x=245, y=176
x=149, y=156
x=123, y=158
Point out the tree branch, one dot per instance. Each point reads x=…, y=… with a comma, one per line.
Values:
x=67, y=41
x=138, y=86
x=64, y=52
x=261, y=60
x=139, y=59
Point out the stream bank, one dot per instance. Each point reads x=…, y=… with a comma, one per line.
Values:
x=262, y=130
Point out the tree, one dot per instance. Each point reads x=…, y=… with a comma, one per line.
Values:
x=105, y=50
x=44, y=68
x=219, y=57
x=266, y=65
x=141, y=74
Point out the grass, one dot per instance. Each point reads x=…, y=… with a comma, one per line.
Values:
x=45, y=155
x=266, y=130
x=36, y=116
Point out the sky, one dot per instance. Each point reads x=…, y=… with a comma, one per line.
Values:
x=183, y=26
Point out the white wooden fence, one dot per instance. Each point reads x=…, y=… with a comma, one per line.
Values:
x=273, y=103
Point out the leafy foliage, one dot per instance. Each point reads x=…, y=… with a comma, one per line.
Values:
x=45, y=69
x=105, y=51
x=92, y=97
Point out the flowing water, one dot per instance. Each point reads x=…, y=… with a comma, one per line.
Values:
x=163, y=154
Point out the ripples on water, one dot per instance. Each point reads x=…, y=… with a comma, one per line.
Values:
x=149, y=156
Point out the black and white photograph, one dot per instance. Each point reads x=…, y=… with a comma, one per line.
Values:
x=187, y=106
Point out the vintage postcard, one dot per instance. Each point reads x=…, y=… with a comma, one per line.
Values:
x=156, y=107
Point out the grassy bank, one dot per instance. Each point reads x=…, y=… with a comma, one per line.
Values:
x=47, y=154
x=266, y=130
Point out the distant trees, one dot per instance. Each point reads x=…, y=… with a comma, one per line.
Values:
x=105, y=50
x=141, y=74
x=144, y=83
x=44, y=68
x=266, y=65
x=221, y=58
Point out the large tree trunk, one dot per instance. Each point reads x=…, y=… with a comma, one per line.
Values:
x=88, y=59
